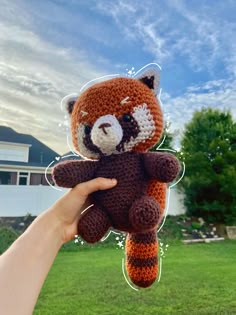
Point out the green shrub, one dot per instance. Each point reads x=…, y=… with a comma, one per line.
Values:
x=196, y=225
x=7, y=237
x=171, y=229
x=209, y=152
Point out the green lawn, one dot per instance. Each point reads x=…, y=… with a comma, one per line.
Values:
x=196, y=279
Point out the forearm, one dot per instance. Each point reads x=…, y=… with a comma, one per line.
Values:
x=25, y=265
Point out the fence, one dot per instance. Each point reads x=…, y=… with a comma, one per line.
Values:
x=19, y=200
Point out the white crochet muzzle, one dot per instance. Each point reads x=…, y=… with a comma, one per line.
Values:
x=106, y=134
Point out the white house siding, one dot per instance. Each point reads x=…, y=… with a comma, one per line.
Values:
x=20, y=200
x=176, y=206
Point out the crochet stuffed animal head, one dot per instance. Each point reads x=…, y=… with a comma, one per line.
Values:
x=116, y=116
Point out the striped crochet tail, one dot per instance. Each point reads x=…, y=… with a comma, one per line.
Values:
x=142, y=258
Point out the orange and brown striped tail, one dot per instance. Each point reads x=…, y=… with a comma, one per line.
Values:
x=142, y=258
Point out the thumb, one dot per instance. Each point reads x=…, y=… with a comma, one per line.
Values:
x=100, y=183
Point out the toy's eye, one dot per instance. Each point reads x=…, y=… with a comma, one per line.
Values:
x=87, y=129
x=126, y=117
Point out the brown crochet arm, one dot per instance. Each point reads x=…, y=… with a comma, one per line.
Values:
x=161, y=166
x=70, y=173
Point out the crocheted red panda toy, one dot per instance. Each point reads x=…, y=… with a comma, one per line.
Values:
x=114, y=123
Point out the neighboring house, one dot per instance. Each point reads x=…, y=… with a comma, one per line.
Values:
x=23, y=159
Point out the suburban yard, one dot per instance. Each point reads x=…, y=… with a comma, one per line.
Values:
x=196, y=279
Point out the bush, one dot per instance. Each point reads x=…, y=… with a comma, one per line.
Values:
x=7, y=237
x=171, y=230
x=209, y=152
x=196, y=225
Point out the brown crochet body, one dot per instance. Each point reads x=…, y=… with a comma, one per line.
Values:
x=133, y=183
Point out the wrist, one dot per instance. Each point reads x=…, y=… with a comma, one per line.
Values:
x=63, y=228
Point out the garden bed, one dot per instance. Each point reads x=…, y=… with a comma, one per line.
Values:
x=203, y=240
x=192, y=229
x=18, y=224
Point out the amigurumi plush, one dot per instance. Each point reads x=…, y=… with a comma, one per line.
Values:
x=113, y=124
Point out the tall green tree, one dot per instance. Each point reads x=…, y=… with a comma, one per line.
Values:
x=209, y=152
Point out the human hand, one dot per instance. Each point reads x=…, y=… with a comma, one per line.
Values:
x=67, y=210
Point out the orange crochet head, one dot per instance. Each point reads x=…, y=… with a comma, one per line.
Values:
x=116, y=116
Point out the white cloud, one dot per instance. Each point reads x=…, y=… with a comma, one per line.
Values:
x=136, y=23
x=34, y=76
x=177, y=29
x=220, y=95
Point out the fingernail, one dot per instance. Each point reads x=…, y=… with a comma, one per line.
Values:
x=114, y=180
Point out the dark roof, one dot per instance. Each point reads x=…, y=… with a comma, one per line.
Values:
x=39, y=154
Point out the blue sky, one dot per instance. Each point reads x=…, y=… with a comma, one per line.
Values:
x=50, y=48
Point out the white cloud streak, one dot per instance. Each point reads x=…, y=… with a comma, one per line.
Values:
x=219, y=95
x=34, y=76
x=172, y=29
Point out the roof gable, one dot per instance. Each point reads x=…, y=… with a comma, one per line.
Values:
x=39, y=153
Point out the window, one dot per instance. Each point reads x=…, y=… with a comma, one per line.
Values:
x=23, y=178
x=39, y=179
x=8, y=178
x=12, y=155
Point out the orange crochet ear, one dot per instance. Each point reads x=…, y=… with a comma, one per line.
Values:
x=70, y=106
x=150, y=77
x=68, y=102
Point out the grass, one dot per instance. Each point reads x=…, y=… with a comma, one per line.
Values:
x=196, y=279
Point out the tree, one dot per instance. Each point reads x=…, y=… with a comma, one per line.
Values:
x=209, y=153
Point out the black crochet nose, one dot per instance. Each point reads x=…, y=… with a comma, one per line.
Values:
x=104, y=126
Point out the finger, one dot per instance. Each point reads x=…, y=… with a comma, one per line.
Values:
x=100, y=183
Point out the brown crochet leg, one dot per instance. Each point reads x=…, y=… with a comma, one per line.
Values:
x=93, y=225
x=144, y=213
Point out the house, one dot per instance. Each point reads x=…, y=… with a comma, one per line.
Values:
x=23, y=159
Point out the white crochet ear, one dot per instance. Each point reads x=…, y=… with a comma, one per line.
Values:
x=68, y=102
x=150, y=76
